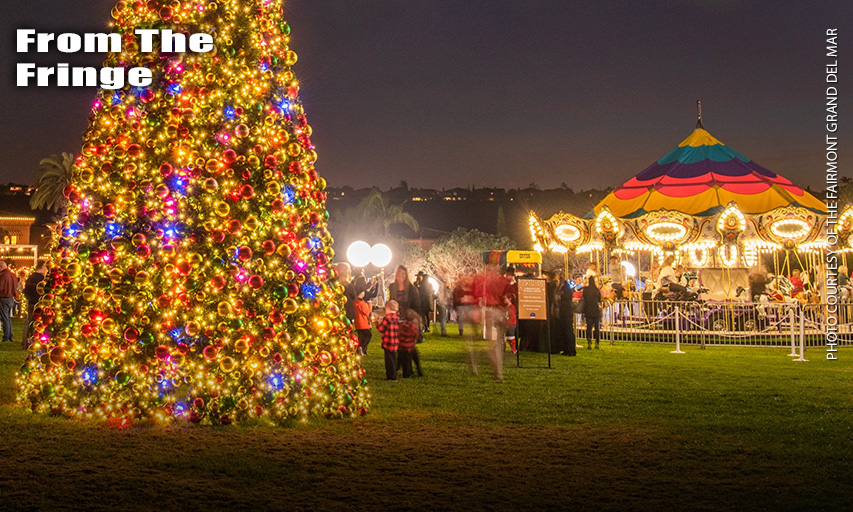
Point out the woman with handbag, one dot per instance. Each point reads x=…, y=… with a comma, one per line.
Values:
x=592, y=311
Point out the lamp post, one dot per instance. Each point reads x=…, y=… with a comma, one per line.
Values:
x=360, y=254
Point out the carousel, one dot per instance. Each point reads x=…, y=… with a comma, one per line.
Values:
x=721, y=216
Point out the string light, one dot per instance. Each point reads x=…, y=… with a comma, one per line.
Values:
x=666, y=231
x=732, y=219
x=790, y=229
x=191, y=277
x=567, y=233
x=606, y=224
x=537, y=230
x=590, y=247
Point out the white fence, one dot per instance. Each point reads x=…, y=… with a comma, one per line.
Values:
x=726, y=323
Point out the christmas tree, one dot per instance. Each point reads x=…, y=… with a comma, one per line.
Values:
x=191, y=275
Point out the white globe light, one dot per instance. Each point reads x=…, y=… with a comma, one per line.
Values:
x=629, y=269
x=380, y=255
x=359, y=254
x=434, y=282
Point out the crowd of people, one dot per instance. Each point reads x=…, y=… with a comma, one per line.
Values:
x=19, y=290
x=484, y=307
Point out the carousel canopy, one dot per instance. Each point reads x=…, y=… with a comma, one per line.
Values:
x=701, y=177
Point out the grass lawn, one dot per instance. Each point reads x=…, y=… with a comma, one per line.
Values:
x=627, y=427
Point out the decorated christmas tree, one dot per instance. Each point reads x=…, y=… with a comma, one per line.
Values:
x=191, y=277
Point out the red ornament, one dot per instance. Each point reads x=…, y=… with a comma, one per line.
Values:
x=162, y=352
x=131, y=334
x=209, y=352
x=218, y=282
x=184, y=268
x=256, y=282
x=244, y=253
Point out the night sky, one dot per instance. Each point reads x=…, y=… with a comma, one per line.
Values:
x=446, y=93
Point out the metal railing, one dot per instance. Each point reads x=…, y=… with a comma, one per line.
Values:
x=725, y=323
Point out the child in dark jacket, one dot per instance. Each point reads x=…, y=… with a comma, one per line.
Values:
x=389, y=327
x=410, y=330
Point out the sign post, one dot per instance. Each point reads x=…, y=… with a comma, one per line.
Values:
x=533, y=305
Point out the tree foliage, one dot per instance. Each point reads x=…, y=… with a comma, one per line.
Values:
x=413, y=256
x=379, y=214
x=52, y=176
x=462, y=252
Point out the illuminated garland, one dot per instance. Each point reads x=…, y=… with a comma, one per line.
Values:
x=701, y=259
x=728, y=255
x=192, y=278
x=567, y=233
x=790, y=229
x=590, y=247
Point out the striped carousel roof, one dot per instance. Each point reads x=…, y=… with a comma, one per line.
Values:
x=700, y=177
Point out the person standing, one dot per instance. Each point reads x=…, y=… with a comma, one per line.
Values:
x=32, y=294
x=425, y=296
x=363, y=314
x=404, y=292
x=511, y=324
x=389, y=328
x=492, y=291
x=407, y=352
x=8, y=287
x=592, y=312
x=555, y=330
x=443, y=304
x=567, y=318
x=463, y=301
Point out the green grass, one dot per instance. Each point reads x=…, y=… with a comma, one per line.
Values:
x=628, y=427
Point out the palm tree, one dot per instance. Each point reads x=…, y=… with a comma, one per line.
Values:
x=375, y=210
x=54, y=174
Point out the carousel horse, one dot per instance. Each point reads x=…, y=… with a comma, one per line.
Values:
x=777, y=291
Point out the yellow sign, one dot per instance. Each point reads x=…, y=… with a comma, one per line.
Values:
x=532, y=299
x=523, y=257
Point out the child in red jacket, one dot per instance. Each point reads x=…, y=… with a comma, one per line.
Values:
x=410, y=331
x=389, y=328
